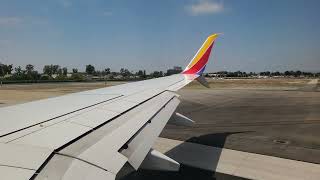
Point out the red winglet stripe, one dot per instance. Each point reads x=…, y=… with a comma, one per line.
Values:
x=201, y=63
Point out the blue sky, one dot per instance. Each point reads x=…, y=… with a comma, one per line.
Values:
x=148, y=34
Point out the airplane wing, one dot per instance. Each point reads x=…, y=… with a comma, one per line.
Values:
x=94, y=134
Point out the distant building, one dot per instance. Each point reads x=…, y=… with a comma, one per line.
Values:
x=213, y=75
x=118, y=77
x=54, y=75
x=175, y=70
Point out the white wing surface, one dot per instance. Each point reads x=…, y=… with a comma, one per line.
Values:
x=91, y=134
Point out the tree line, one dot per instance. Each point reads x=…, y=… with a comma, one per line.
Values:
x=56, y=72
x=264, y=74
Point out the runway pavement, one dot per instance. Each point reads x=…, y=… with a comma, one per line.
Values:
x=281, y=123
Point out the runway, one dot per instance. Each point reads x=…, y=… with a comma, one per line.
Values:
x=278, y=123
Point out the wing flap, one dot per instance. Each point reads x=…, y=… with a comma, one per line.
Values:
x=119, y=106
x=93, y=118
x=8, y=172
x=30, y=130
x=65, y=168
x=143, y=95
x=27, y=157
x=102, y=145
x=139, y=146
x=53, y=137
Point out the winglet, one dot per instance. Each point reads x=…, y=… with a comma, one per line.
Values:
x=200, y=60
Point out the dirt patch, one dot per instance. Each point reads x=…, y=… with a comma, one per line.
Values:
x=20, y=93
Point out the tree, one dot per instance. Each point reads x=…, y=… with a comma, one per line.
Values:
x=9, y=68
x=31, y=73
x=45, y=77
x=97, y=73
x=127, y=72
x=267, y=73
x=55, y=69
x=90, y=69
x=139, y=73
x=122, y=71
x=277, y=73
x=18, y=71
x=74, y=70
x=5, y=69
x=107, y=71
x=59, y=72
x=2, y=70
x=287, y=73
x=65, y=71
x=144, y=75
x=161, y=74
x=47, y=69
x=175, y=70
x=34, y=75
x=77, y=77
x=29, y=68
x=156, y=74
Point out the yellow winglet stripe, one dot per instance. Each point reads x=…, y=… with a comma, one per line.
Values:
x=203, y=49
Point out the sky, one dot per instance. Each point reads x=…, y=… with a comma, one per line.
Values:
x=258, y=35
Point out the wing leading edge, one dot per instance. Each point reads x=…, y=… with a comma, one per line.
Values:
x=92, y=134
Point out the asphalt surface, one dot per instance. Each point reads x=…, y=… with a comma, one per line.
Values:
x=271, y=122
